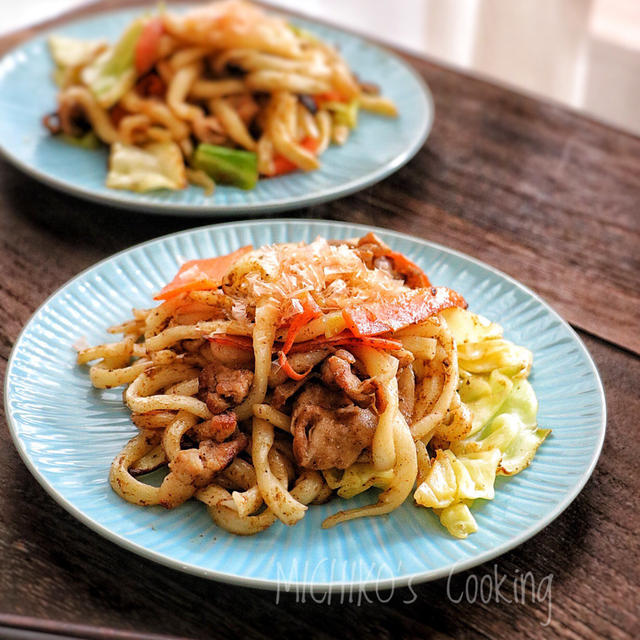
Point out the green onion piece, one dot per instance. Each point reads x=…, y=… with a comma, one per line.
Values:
x=345, y=113
x=302, y=33
x=227, y=166
x=88, y=141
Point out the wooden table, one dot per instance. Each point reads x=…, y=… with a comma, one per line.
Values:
x=547, y=196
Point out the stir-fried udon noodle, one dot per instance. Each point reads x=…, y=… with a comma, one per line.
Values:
x=269, y=380
x=223, y=93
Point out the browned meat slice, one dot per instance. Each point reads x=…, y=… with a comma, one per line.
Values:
x=337, y=374
x=284, y=391
x=219, y=455
x=217, y=428
x=216, y=403
x=197, y=467
x=224, y=387
x=299, y=362
x=328, y=429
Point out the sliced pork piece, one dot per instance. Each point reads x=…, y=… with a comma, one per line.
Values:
x=195, y=468
x=216, y=456
x=224, y=387
x=217, y=428
x=284, y=391
x=299, y=362
x=329, y=431
x=198, y=466
x=337, y=374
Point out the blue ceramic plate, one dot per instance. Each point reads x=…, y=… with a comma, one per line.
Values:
x=377, y=147
x=68, y=433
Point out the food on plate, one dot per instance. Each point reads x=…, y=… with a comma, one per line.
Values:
x=225, y=93
x=272, y=379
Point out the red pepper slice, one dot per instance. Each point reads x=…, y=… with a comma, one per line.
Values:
x=330, y=96
x=201, y=275
x=147, y=45
x=401, y=311
x=284, y=165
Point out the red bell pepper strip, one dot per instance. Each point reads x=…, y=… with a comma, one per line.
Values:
x=284, y=165
x=402, y=311
x=201, y=275
x=147, y=45
x=330, y=96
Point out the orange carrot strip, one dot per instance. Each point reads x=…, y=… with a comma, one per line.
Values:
x=288, y=369
x=200, y=275
x=401, y=311
x=415, y=277
x=310, y=310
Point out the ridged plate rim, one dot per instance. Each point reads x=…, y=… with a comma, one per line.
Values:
x=319, y=587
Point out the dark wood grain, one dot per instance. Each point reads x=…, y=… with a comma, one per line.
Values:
x=549, y=197
x=33, y=628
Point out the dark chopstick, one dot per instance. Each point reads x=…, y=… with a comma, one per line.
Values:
x=13, y=627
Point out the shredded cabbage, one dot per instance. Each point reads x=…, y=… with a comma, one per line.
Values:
x=504, y=436
x=356, y=479
x=470, y=327
x=113, y=73
x=454, y=479
x=513, y=431
x=458, y=520
x=495, y=353
x=72, y=52
x=483, y=395
x=154, y=166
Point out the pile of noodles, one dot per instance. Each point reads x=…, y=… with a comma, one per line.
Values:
x=454, y=408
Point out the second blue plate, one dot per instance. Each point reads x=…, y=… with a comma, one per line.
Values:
x=376, y=148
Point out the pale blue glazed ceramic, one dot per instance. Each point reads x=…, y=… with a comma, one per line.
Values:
x=68, y=433
x=378, y=146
